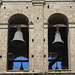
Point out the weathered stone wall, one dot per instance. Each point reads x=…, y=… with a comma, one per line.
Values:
x=3, y=47
x=66, y=8
x=38, y=13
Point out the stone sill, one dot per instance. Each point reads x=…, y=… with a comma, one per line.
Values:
x=63, y=70
x=28, y=72
x=16, y=71
x=42, y=74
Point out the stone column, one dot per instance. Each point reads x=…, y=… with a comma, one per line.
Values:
x=3, y=47
x=38, y=35
x=71, y=46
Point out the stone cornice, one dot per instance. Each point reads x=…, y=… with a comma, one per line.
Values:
x=38, y=2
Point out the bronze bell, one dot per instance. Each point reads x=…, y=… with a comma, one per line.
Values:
x=57, y=36
x=18, y=37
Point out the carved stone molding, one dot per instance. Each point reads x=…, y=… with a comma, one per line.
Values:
x=38, y=2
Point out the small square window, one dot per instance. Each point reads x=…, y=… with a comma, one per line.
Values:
x=32, y=56
x=0, y=56
x=70, y=6
x=48, y=6
x=4, y=7
x=37, y=18
x=44, y=40
x=44, y=56
x=27, y=7
x=32, y=40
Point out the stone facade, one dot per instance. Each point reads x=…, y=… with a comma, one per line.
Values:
x=37, y=12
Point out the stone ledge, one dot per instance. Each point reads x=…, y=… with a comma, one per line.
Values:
x=38, y=2
x=61, y=0
x=39, y=74
x=15, y=0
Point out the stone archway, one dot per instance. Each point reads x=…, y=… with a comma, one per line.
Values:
x=19, y=48
x=61, y=50
x=57, y=18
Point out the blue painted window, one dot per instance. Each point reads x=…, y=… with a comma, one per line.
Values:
x=17, y=65
x=58, y=64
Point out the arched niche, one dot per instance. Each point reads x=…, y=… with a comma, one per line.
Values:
x=60, y=49
x=18, y=48
x=18, y=19
x=58, y=18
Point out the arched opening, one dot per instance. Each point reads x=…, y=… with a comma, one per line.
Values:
x=57, y=18
x=18, y=39
x=18, y=19
x=58, y=44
